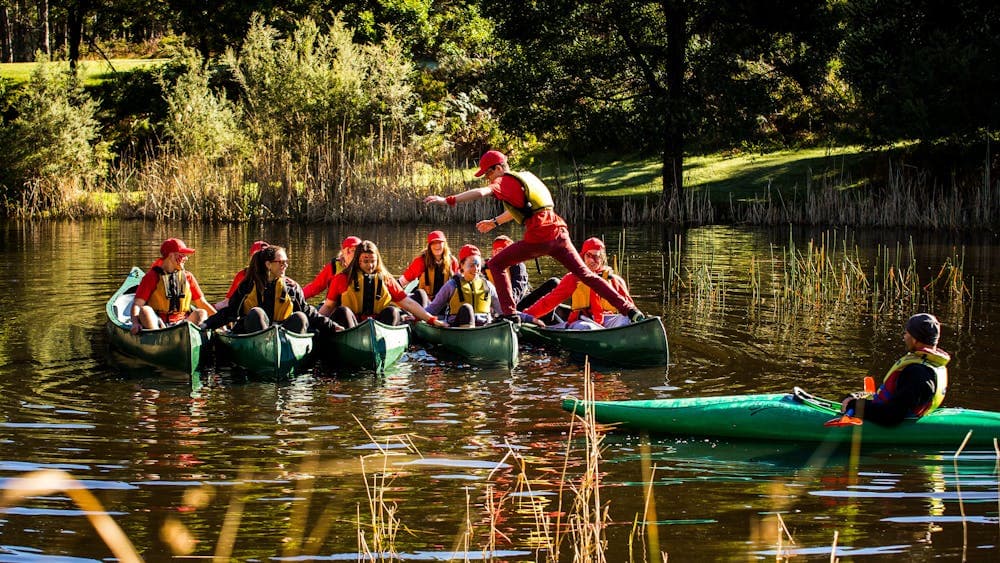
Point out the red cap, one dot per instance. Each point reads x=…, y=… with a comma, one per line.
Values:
x=593, y=243
x=435, y=236
x=350, y=242
x=172, y=245
x=489, y=160
x=501, y=242
x=466, y=251
x=257, y=246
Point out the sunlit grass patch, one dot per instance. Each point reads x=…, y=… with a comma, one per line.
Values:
x=93, y=72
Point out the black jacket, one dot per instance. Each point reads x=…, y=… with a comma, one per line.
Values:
x=232, y=312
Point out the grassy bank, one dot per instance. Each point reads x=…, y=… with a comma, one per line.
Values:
x=92, y=72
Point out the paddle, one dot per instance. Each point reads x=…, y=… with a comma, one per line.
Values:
x=848, y=419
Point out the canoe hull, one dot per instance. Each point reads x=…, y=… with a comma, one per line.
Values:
x=178, y=347
x=370, y=345
x=640, y=344
x=272, y=351
x=787, y=417
x=490, y=345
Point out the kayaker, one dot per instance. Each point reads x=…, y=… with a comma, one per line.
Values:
x=166, y=293
x=257, y=245
x=267, y=296
x=588, y=310
x=915, y=385
x=527, y=200
x=367, y=290
x=433, y=267
x=339, y=263
x=468, y=297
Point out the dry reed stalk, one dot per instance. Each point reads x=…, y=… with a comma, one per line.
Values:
x=49, y=481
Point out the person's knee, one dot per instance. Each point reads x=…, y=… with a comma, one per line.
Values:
x=255, y=320
x=389, y=316
x=465, y=317
x=421, y=297
x=297, y=322
x=344, y=317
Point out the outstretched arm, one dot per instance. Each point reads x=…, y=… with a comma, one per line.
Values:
x=468, y=195
x=414, y=308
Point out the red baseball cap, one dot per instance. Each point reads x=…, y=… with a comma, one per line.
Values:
x=466, y=251
x=350, y=242
x=593, y=243
x=257, y=246
x=501, y=242
x=435, y=236
x=489, y=160
x=172, y=245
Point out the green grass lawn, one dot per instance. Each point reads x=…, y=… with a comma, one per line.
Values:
x=94, y=72
x=742, y=176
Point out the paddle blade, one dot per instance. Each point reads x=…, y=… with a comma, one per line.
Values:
x=844, y=421
x=870, y=384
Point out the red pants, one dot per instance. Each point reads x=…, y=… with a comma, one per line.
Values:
x=561, y=249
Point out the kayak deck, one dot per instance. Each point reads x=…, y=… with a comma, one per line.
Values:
x=787, y=417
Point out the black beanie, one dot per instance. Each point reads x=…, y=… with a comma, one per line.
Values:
x=924, y=328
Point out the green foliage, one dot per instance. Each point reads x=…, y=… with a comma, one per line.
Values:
x=312, y=83
x=924, y=69
x=199, y=122
x=54, y=136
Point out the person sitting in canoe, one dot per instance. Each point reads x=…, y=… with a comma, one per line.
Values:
x=267, y=296
x=470, y=299
x=589, y=310
x=432, y=267
x=321, y=283
x=915, y=385
x=527, y=200
x=367, y=290
x=166, y=293
x=238, y=278
x=518, y=272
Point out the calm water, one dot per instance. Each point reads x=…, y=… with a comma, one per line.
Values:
x=285, y=456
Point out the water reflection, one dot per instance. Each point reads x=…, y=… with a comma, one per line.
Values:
x=289, y=452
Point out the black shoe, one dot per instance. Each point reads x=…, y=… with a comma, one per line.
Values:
x=635, y=315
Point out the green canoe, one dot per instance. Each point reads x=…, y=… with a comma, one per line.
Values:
x=272, y=351
x=176, y=347
x=796, y=416
x=489, y=345
x=640, y=344
x=370, y=345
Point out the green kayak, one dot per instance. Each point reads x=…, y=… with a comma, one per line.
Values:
x=370, y=345
x=176, y=347
x=640, y=344
x=796, y=416
x=272, y=351
x=494, y=344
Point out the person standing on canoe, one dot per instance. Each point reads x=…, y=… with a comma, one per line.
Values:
x=266, y=296
x=366, y=290
x=321, y=282
x=238, y=278
x=166, y=293
x=589, y=310
x=471, y=300
x=527, y=200
x=915, y=385
x=433, y=267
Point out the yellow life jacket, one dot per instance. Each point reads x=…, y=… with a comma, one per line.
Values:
x=475, y=293
x=933, y=358
x=172, y=294
x=580, y=302
x=353, y=298
x=282, y=306
x=430, y=282
x=536, y=196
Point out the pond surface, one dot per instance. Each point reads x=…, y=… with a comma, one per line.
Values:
x=257, y=468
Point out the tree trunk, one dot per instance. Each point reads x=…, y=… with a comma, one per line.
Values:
x=77, y=15
x=8, y=42
x=43, y=15
x=673, y=135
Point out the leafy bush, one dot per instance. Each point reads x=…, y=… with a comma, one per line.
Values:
x=52, y=139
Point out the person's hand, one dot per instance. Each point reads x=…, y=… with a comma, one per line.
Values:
x=538, y=322
x=435, y=199
x=485, y=226
x=136, y=327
